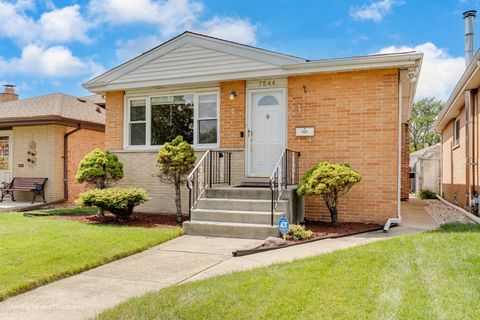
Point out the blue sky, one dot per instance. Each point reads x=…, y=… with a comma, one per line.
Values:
x=53, y=46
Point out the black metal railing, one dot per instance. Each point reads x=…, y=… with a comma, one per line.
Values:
x=286, y=173
x=213, y=168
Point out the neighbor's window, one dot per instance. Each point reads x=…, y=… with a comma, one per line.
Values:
x=158, y=119
x=456, y=131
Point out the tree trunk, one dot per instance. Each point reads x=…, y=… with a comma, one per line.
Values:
x=333, y=216
x=100, y=212
x=178, y=200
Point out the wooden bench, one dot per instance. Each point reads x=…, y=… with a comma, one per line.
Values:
x=35, y=185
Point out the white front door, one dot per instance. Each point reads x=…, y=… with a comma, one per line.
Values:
x=5, y=156
x=265, y=130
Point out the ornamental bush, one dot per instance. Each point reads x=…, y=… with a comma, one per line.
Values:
x=119, y=201
x=426, y=194
x=175, y=160
x=100, y=169
x=297, y=232
x=331, y=181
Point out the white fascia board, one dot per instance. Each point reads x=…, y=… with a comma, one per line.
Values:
x=458, y=91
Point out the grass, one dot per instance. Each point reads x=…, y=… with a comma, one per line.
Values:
x=68, y=212
x=434, y=275
x=35, y=251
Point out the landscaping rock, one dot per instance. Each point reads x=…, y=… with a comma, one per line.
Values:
x=445, y=214
x=272, y=242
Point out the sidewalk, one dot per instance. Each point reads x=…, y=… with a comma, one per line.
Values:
x=180, y=260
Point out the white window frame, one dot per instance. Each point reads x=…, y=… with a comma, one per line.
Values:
x=148, y=113
x=456, y=123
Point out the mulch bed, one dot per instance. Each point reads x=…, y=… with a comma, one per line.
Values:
x=138, y=219
x=323, y=229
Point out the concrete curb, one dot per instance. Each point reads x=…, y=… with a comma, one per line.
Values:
x=465, y=212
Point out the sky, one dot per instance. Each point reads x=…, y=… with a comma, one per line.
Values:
x=51, y=46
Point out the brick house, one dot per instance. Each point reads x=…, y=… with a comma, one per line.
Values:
x=46, y=137
x=253, y=104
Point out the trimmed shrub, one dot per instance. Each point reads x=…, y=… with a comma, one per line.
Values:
x=297, y=232
x=119, y=201
x=100, y=169
x=331, y=181
x=426, y=194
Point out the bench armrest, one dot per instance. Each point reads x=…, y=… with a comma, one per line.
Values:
x=38, y=186
x=6, y=185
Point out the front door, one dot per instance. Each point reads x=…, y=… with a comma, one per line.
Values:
x=5, y=156
x=266, y=130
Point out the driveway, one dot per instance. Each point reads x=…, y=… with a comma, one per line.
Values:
x=180, y=260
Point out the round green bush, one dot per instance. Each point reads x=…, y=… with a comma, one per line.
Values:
x=119, y=201
x=297, y=232
x=426, y=194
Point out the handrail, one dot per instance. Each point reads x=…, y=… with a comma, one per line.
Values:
x=285, y=173
x=213, y=168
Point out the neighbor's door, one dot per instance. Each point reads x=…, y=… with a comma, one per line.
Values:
x=266, y=131
x=5, y=156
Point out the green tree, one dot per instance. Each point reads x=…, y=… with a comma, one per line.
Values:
x=331, y=181
x=100, y=169
x=175, y=160
x=424, y=114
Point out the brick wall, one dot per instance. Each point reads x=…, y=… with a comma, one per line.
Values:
x=405, y=161
x=232, y=114
x=47, y=142
x=355, y=116
x=80, y=144
x=114, y=103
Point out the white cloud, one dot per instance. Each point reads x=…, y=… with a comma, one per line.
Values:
x=374, y=11
x=440, y=71
x=233, y=29
x=169, y=15
x=54, y=62
x=133, y=47
x=56, y=26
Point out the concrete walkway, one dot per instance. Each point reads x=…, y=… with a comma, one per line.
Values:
x=181, y=260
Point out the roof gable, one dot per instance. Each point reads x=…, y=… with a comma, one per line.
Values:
x=193, y=54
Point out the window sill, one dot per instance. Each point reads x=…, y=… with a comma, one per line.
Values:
x=456, y=146
x=156, y=149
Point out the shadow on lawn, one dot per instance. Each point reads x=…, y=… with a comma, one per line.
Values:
x=459, y=227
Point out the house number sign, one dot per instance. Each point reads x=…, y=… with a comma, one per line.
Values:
x=266, y=83
x=305, y=131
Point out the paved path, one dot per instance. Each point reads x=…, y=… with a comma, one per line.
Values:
x=183, y=259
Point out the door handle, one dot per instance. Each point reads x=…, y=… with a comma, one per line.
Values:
x=250, y=133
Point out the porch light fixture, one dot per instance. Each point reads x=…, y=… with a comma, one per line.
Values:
x=233, y=95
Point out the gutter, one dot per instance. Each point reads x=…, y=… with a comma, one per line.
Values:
x=398, y=219
x=65, y=160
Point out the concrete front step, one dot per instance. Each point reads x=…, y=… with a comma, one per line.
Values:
x=255, y=217
x=230, y=230
x=241, y=204
x=239, y=193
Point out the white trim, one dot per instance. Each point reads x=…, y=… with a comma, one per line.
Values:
x=148, y=112
x=248, y=122
x=9, y=133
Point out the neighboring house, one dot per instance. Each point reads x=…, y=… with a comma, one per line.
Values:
x=47, y=136
x=458, y=124
x=425, y=167
x=256, y=103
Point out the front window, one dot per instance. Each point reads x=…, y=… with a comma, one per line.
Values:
x=156, y=120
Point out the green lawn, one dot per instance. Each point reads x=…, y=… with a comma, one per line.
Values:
x=433, y=275
x=68, y=212
x=37, y=250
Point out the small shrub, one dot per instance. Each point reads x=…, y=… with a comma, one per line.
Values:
x=426, y=194
x=119, y=201
x=100, y=169
x=297, y=232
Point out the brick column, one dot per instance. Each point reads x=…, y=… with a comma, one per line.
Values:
x=405, y=178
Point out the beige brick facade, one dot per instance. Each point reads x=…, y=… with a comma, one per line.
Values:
x=232, y=114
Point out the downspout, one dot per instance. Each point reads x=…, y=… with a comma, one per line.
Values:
x=441, y=165
x=398, y=218
x=467, y=147
x=65, y=161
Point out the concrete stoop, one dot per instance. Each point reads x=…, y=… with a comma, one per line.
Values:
x=236, y=212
